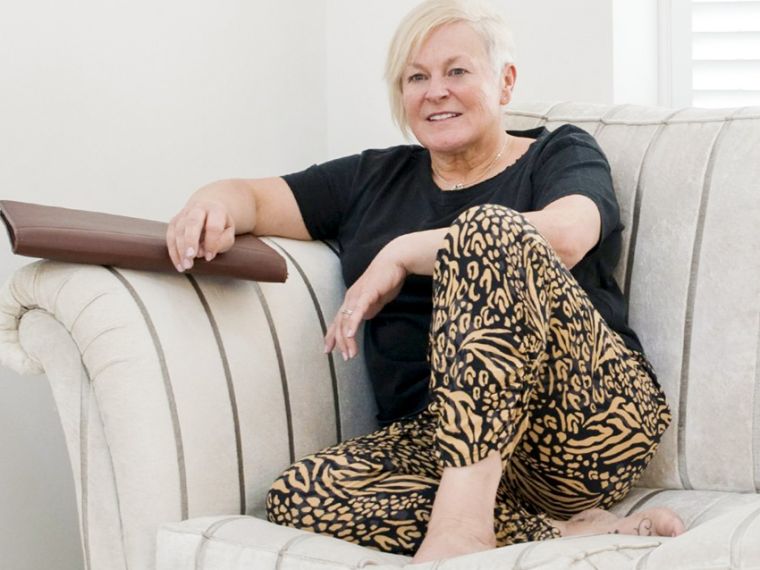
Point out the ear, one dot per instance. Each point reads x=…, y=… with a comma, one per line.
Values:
x=508, y=79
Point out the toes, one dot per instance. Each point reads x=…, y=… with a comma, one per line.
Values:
x=663, y=521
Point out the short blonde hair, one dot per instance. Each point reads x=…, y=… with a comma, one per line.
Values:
x=482, y=16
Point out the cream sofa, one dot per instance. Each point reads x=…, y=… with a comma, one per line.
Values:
x=182, y=399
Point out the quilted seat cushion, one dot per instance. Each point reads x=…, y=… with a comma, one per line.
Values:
x=723, y=531
x=244, y=542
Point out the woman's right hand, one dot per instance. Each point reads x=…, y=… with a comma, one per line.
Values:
x=202, y=229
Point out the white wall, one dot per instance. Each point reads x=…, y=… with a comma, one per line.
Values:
x=358, y=35
x=635, y=43
x=127, y=107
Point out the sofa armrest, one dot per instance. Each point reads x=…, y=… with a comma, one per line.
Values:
x=182, y=396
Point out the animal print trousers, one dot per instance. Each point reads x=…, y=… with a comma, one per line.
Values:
x=521, y=364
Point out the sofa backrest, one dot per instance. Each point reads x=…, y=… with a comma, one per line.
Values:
x=688, y=185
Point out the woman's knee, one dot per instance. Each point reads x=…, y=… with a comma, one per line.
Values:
x=487, y=227
x=492, y=217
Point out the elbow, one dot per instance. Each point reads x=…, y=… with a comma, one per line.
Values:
x=571, y=251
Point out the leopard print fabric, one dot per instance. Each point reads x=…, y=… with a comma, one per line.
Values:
x=521, y=364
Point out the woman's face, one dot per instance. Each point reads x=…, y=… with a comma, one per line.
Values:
x=451, y=95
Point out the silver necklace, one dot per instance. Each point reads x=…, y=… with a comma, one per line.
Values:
x=463, y=185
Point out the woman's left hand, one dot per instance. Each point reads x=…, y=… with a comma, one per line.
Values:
x=377, y=286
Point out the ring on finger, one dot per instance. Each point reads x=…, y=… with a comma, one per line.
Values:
x=347, y=312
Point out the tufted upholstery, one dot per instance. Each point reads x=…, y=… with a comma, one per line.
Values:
x=183, y=398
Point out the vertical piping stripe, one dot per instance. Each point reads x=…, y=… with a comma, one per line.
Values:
x=738, y=535
x=756, y=415
x=84, y=431
x=683, y=468
x=171, y=401
x=230, y=388
x=115, y=487
x=637, y=199
x=643, y=500
x=84, y=408
x=323, y=325
x=281, y=365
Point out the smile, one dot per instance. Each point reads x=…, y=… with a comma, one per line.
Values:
x=443, y=116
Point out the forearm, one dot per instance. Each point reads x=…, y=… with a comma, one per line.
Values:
x=572, y=232
x=417, y=250
x=238, y=197
x=571, y=225
x=555, y=229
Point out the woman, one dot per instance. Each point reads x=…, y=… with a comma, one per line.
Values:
x=514, y=400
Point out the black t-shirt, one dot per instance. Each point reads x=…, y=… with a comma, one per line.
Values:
x=366, y=200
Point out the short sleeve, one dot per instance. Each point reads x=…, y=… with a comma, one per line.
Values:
x=323, y=193
x=573, y=163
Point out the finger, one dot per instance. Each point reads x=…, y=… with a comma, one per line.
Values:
x=348, y=327
x=216, y=219
x=226, y=241
x=340, y=339
x=351, y=324
x=345, y=328
x=330, y=338
x=351, y=347
x=179, y=242
x=171, y=246
x=192, y=235
x=201, y=251
x=179, y=238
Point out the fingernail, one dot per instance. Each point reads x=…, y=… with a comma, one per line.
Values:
x=326, y=349
x=351, y=353
x=187, y=263
x=345, y=357
x=190, y=252
x=350, y=334
x=180, y=268
x=209, y=257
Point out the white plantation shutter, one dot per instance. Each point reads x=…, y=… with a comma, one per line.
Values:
x=725, y=53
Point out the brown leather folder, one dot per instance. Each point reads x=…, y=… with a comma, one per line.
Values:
x=79, y=236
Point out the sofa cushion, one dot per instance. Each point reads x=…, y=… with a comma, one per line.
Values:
x=721, y=527
x=248, y=543
x=238, y=542
x=694, y=507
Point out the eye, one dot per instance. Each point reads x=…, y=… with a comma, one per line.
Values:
x=415, y=78
x=457, y=71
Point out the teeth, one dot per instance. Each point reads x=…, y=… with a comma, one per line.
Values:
x=442, y=116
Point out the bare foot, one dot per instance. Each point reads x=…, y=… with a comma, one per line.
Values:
x=652, y=522
x=451, y=537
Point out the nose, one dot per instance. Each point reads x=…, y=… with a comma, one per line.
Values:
x=437, y=89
